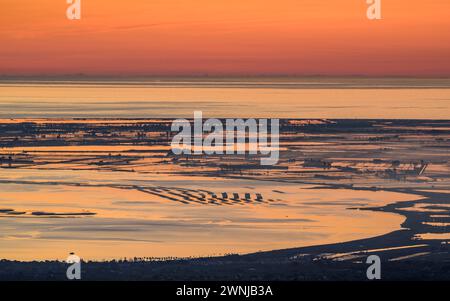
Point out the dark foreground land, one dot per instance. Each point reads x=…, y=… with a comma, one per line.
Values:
x=276, y=265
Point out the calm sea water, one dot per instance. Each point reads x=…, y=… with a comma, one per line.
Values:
x=283, y=98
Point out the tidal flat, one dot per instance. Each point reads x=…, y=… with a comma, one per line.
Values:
x=112, y=189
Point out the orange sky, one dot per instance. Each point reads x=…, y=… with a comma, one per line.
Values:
x=225, y=37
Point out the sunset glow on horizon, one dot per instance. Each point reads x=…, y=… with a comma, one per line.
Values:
x=218, y=37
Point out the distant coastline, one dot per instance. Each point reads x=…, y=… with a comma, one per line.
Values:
x=282, y=81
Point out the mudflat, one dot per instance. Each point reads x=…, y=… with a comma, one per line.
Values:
x=110, y=189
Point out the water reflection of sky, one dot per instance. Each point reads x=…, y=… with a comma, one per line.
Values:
x=180, y=100
x=131, y=223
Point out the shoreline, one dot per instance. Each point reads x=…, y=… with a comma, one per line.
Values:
x=338, y=261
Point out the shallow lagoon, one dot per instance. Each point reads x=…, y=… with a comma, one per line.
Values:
x=129, y=222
